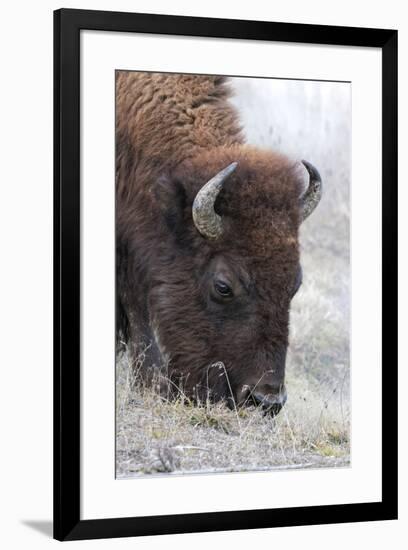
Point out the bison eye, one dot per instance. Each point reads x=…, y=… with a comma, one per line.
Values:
x=223, y=289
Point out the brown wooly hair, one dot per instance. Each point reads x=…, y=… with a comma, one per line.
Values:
x=173, y=133
x=260, y=213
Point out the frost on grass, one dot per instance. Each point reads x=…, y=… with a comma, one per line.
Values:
x=307, y=120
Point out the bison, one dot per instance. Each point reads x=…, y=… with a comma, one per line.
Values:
x=207, y=251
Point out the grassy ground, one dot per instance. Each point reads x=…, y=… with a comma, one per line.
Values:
x=156, y=435
x=305, y=120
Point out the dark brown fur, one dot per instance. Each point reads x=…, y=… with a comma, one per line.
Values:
x=175, y=132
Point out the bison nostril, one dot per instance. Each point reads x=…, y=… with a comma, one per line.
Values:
x=270, y=403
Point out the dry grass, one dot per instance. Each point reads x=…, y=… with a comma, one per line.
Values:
x=159, y=435
x=154, y=435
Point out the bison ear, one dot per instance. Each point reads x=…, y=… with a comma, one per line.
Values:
x=170, y=197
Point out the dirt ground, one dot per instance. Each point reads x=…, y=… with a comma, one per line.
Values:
x=306, y=120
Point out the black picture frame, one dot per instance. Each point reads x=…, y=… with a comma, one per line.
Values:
x=67, y=26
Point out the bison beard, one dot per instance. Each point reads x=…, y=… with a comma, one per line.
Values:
x=207, y=241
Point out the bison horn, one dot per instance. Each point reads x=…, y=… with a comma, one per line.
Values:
x=311, y=197
x=205, y=218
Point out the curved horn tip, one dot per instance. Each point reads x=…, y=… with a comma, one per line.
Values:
x=225, y=173
x=231, y=167
x=311, y=197
x=313, y=171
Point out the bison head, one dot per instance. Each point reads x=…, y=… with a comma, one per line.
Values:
x=225, y=271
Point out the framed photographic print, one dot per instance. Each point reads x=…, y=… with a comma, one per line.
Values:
x=225, y=274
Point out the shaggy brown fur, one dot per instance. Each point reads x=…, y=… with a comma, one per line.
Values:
x=174, y=133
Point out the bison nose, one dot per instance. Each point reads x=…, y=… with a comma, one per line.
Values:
x=271, y=401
